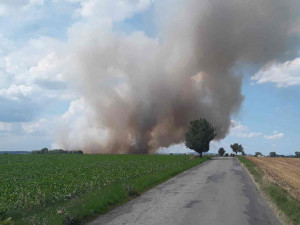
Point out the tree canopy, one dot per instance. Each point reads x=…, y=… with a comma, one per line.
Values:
x=199, y=135
x=221, y=151
x=237, y=148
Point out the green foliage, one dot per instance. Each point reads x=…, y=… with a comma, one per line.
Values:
x=297, y=154
x=237, y=148
x=221, y=151
x=69, y=187
x=226, y=155
x=253, y=169
x=199, y=135
x=284, y=201
x=257, y=154
x=272, y=154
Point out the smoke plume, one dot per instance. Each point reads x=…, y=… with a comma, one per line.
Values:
x=140, y=93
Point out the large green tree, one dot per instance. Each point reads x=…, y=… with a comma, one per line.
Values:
x=221, y=151
x=199, y=134
x=237, y=148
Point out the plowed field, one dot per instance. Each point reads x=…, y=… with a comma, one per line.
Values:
x=283, y=171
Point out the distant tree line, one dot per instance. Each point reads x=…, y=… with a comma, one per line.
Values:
x=56, y=151
x=274, y=154
x=236, y=148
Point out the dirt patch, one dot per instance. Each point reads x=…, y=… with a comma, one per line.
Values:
x=283, y=171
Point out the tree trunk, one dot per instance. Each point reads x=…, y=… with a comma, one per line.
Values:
x=200, y=154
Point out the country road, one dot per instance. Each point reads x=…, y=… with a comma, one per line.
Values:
x=217, y=192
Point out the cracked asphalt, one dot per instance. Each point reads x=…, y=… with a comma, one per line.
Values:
x=218, y=192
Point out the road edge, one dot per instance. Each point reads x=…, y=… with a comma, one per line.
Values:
x=90, y=219
x=277, y=212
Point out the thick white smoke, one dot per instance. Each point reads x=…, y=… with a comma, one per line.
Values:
x=140, y=93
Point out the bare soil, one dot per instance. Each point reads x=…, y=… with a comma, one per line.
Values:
x=283, y=171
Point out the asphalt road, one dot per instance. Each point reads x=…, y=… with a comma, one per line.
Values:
x=217, y=192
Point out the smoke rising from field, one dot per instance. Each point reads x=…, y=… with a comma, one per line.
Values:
x=140, y=93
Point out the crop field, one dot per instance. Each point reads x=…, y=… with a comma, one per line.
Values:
x=283, y=171
x=68, y=189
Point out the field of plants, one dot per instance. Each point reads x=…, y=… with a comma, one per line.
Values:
x=68, y=189
x=283, y=171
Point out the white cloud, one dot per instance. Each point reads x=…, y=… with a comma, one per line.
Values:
x=5, y=126
x=14, y=92
x=116, y=10
x=282, y=74
x=6, y=45
x=47, y=69
x=40, y=61
x=7, y=7
x=249, y=135
x=31, y=76
x=40, y=126
x=275, y=135
x=237, y=129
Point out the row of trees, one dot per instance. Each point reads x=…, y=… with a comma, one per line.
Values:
x=274, y=154
x=56, y=151
x=236, y=148
x=200, y=133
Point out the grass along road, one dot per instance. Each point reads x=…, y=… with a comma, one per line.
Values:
x=274, y=191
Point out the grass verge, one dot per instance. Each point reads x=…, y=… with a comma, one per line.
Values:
x=92, y=203
x=283, y=201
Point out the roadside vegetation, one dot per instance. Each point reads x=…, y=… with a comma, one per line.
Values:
x=274, y=191
x=72, y=188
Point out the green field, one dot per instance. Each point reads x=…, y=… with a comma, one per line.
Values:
x=70, y=189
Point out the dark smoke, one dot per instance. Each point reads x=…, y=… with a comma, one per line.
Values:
x=140, y=93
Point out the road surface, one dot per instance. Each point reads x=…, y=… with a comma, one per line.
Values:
x=219, y=192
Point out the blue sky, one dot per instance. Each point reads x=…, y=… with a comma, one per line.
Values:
x=34, y=94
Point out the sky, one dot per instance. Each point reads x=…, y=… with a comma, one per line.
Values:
x=35, y=95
